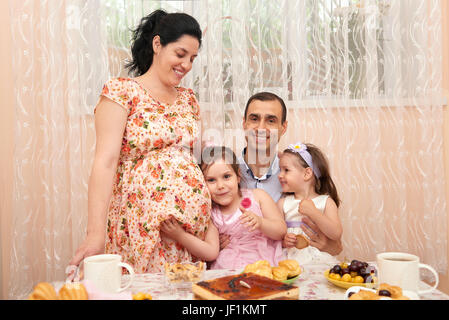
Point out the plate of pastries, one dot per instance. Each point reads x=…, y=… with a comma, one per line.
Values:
x=286, y=271
x=355, y=273
x=383, y=292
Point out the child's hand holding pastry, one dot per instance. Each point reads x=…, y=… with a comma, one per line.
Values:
x=250, y=219
x=289, y=240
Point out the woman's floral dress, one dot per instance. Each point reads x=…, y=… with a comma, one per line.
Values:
x=156, y=177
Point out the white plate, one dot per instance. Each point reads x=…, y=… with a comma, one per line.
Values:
x=410, y=294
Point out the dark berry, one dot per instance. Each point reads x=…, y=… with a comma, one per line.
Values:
x=359, y=265
x=384, y=293
x=363, y=272
x=353, y=268
x=350, y=294
x=336, y=269
x=345, y=271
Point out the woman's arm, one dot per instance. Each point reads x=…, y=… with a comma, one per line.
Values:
x=206, y=250
x=328, y=221
x=272, y=224
x=110, y=123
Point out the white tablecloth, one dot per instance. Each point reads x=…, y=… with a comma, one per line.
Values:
x=312, y=285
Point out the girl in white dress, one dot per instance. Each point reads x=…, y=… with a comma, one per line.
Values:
x=308, y=190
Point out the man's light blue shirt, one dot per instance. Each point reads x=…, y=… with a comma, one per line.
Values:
x=268, y=182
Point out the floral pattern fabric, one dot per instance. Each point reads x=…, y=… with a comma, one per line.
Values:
x=156, y=177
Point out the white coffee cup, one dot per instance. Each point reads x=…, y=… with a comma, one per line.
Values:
x=402, y=269
x=105, y=272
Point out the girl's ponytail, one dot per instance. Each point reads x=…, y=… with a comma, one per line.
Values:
x=325, y=184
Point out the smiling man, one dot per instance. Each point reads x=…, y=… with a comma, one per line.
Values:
x=264, y=123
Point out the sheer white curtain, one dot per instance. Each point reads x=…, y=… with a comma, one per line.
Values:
x=59, y=66
x=361, y=80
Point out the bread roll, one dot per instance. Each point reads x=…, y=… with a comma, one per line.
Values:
x=73, y=291
x=292, y=266
x=280, y=273
x=43, y=291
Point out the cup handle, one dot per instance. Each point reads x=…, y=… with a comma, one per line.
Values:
x=131, y=275
x=425, y=266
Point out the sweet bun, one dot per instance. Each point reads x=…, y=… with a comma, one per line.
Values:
x=292, y=266
x=301, y=241
x=261, y=267
x=43, y=291
x=73, y=291
x=262, y=263
x=280, y=273
x=257, y=265
x=395, y=291
x=364, y=295
x=264, y=271
x=385, y=291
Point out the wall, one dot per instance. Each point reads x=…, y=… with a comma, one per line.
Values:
x=444, y=279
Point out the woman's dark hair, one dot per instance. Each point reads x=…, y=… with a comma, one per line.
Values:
x=168, y=26
x=325, y=184
x=211, y=154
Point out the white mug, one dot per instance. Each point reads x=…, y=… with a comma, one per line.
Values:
x=105, y=272
x=402, y=269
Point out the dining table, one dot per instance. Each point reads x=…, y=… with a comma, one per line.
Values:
x=312, y=284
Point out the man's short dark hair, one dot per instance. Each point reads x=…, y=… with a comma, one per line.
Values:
x=267, y=96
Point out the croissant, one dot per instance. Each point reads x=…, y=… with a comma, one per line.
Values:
x=43, y=291
x=73, y=291
x=292, y=266
x=280, y=273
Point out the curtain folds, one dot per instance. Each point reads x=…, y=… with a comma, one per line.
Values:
x=361, y=80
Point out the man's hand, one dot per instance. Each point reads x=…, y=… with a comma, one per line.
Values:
x=319, y=240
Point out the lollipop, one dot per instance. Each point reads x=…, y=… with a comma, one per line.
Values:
x=246, y=203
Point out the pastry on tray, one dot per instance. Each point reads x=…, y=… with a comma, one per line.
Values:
x=285, y=270
x=43, y=291
x=261, y=267
x=73, y=291
x=69, y=291
x=293, y=267
x=385, y=291
x=279, y=273
x=244, y=286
